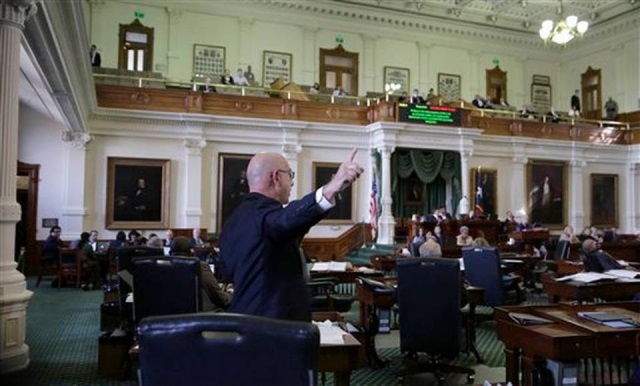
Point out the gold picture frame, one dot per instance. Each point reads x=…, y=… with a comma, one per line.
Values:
x=343, y=212
x=398, y=75
x=449, y=86
x=546, y=193
x=484, y=192
x=137, y=193
x=604, y=200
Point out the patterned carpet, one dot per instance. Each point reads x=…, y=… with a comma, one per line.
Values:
x=63, y=331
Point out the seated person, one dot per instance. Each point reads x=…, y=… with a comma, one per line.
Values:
x=239, y=79
x=154, y=242
x=168, y=239
x=431, y=94
x=416, y=97
x=120, y=241
x=89, y=261
x=430, y=248
x=598, y=260
x=338, y=91
x=553, y=116
x=51, y=249
x=479, y=102
x=315, y=89
x=196, y=240
x=404, y=97
x=213, y=297
x=420, y=237
x=569, y=235
x=463, y=239
x=437, y=234
x=226, y=78
x=207, y=87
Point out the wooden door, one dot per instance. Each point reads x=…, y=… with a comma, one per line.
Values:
x=496, y=85
x=339, y=68
x=27, y=197
x=591, y=94
x=136, y=47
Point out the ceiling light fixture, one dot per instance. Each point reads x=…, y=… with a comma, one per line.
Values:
x=563, y=31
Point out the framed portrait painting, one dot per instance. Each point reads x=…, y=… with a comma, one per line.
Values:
x=449, y=86
x=276, y=65
x=137, y=193
x=546, y=188
x=232, y=185
x=484, y=194
x=604, y=200
x=342, y=213
x=397, y=75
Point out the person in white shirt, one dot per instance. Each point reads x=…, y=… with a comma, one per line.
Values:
x=93, y=239
x=239, y=79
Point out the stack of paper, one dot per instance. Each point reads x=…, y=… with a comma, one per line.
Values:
x=624, y=273
x=586, y=277
x=330, y=333
x=335, y=266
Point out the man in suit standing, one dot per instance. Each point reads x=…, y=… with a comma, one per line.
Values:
x=575, y=103
x=94, y=55
x=259, y=242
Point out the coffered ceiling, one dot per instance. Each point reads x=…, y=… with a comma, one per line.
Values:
x=517, y=15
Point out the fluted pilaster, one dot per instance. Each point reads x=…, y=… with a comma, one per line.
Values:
x=14, y=297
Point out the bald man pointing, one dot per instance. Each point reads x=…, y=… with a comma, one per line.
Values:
x=259, y=244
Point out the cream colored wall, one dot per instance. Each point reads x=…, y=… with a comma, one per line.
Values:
x=246, y=31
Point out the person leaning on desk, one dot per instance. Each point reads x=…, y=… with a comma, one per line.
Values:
x=598, y=260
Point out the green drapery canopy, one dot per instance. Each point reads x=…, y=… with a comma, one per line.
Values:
x=427, y=174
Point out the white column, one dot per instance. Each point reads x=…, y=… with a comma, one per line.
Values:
x=387, y=222
x=475, y=83
x=290, y=151
x=464, y=173
x=368, y=65
x=193, y=182
x=216, y=191
x=518, y=195
x=14, y=297
x=309, y=63
x=576, y=193
x=74, y=211
x=628, y=189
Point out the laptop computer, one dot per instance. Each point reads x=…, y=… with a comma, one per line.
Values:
x=102, y=247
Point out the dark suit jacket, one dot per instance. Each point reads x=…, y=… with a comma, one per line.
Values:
x=96, y=61
x=601, y=261
x=575, y=102
x=260, y=255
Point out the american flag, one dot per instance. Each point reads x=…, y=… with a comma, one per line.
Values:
x=373, y=202
x=479, y=194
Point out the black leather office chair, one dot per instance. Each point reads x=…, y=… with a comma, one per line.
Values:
x=562, y=250
x=325, y=297
x=414, y=249
x=124, y=258
x=429, y=291
x=166, y=286
x=226, y=349
x=482, y=269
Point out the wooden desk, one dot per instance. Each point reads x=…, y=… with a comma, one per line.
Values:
x=339, y=359
x=607, y=290
x=347, y=276
x=568, y=339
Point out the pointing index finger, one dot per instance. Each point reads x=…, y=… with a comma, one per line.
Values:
x=353, y=154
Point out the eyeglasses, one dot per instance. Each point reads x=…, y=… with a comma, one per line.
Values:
x=291, y=173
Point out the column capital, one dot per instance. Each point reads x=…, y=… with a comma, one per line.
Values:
x=466, y=154
x=291, y=150
x=519, y=160
x=386, y=150
x=577, y=163
x=194, y=146
x=77, y=140
x=16, y=12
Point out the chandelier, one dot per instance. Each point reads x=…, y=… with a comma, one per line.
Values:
x=563, y=31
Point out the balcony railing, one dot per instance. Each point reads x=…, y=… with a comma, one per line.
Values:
x=292, y=103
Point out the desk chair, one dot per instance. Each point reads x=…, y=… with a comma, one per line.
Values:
x=325, y=297
x=124, y=259
x=69, y=267
x=166, y=286
x=562, y=250
x=46, y=266
x=226, y=349
x=429, y=291
x=482, y=269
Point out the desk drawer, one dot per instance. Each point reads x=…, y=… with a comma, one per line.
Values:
x=619, y=343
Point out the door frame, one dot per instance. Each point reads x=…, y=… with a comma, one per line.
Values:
x=32, y=171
